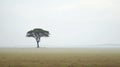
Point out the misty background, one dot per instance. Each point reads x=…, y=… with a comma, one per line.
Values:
x=72, y=23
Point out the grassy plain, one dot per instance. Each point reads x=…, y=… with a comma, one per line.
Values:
x=60, y=57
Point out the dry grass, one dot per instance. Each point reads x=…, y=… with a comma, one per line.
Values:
x=53, y=57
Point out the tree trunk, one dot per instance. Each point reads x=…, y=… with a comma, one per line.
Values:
x=37, y=40
x=37, y=44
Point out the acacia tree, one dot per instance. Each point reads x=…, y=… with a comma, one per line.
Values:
x=37, y=33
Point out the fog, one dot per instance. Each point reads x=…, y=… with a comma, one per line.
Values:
x=71, y=23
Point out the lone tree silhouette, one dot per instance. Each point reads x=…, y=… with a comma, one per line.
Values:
x=37, y=33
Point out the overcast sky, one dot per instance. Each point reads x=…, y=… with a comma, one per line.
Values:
x=70, y=22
